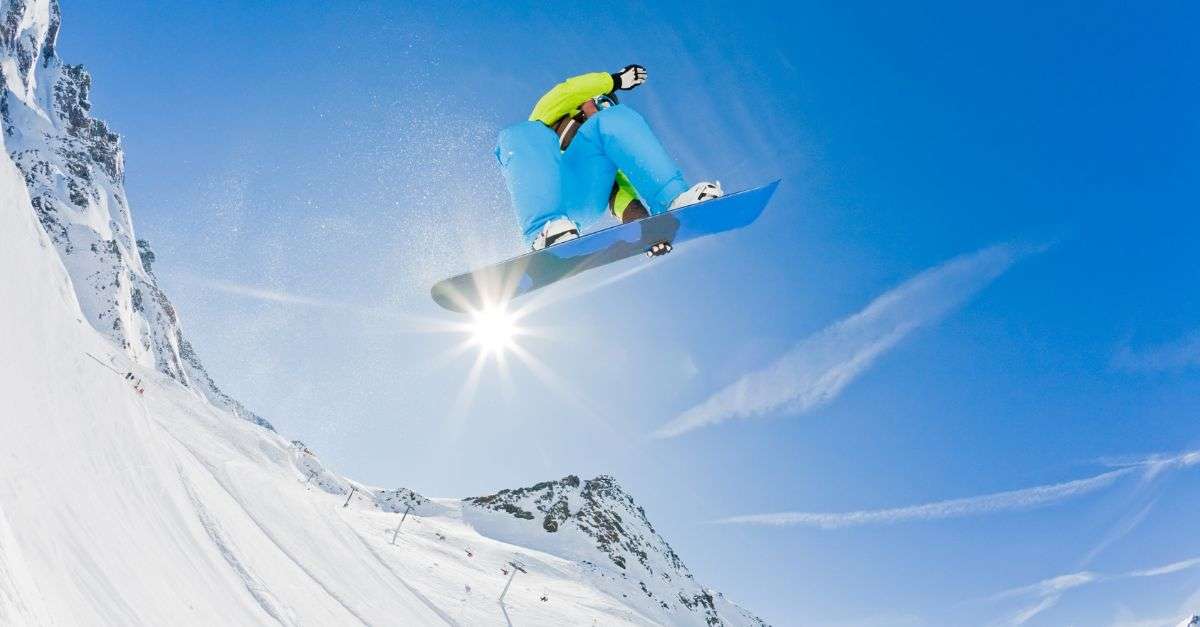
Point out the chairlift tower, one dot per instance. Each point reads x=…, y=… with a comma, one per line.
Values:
x=515, y=567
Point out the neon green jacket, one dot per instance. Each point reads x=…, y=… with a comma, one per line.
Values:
x=565, y=99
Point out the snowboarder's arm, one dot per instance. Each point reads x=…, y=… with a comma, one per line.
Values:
x=569, y=94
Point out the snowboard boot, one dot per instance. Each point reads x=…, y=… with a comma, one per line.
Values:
x=555, y=231
x=699, y=192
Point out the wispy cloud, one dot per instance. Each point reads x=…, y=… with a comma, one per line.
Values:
x=1158, y=463
x=1051, y=586
x=955, y=508
x=1177, y=355
x=1126, y=525
x=1167, y=569
x=1046, y=593
x=1024, y=614
x=817, y=369
x=259, y=293
x=1025, y=498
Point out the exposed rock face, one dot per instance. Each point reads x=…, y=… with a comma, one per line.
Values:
x=597, y=522
x=597, y=508
x=74, y=170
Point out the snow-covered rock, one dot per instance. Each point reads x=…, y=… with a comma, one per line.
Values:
x=597, y=523
x=162, y=507
x=74, y=169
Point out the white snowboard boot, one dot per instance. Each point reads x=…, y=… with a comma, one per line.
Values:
x=699, y=192
x=555, y=231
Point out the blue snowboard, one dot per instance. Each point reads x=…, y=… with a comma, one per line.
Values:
x=501, y=282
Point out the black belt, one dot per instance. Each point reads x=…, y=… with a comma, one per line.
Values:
x=568, y=125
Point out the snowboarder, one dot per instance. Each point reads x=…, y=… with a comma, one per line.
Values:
x=581, y=154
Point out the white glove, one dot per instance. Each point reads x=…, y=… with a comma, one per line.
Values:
x=629, y=77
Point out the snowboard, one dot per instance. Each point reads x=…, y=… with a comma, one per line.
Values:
x=657, y=234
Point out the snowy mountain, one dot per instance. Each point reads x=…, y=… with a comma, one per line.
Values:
x=598, y=524
x=74, y=169
x=163, y=507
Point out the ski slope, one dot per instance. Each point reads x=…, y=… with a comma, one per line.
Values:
x=120, y=508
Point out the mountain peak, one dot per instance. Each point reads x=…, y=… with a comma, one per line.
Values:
x=595, y=521
x=599, y=509
x=74, y=169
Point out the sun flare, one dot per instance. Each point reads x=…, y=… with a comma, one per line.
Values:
x=494, y=330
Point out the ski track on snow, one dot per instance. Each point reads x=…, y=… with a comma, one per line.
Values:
x=262, y=529
x=437, y=610
x=258, y=590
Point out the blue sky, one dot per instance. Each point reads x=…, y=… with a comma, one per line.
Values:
x=973, y=300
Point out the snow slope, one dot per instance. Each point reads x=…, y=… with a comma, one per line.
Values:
x=177, y=506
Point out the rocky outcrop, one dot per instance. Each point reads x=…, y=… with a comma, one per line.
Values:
x=599, y=523
x=74, y=169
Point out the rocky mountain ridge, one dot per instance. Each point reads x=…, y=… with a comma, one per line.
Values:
x=597, y=522
x=74, y=170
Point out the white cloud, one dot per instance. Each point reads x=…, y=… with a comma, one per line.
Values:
x=1167, y=569
x=1025, y=498
x=1051, y=586
x=1181, y=353
x=1157, y=463
x=1046, y=593
x=1001, y=501
x=817, y=369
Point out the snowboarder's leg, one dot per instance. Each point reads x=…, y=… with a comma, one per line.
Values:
x=626, y=140
x=529, y=156
x=587, y=175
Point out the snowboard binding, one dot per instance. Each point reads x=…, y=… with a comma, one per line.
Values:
x=659, y=249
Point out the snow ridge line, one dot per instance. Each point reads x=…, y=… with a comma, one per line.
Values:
x=258, y=590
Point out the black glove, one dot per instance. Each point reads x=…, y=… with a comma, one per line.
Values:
x=629, y=77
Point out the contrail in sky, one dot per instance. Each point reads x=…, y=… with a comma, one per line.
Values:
x=1046, y=593
x=1025, y=498
x=817, y=369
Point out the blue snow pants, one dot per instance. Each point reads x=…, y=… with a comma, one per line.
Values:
x=546, y=183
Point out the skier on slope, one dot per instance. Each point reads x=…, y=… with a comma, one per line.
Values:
x=136, y=381
x=581, y=154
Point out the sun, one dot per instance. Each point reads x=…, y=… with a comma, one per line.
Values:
x=494, y=330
